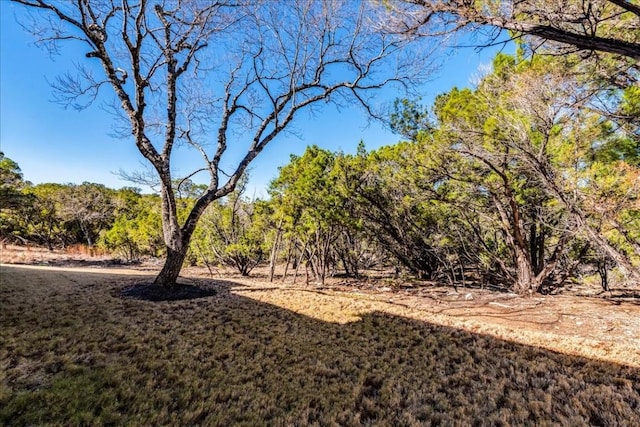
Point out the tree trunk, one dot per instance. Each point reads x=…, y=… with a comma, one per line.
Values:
x=171, y=269
x=286, y=264
x=176, y=239
x=525, y=277
x=274, y=252
x=299, y=261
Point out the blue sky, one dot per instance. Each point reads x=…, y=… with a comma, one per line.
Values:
x=53, y=144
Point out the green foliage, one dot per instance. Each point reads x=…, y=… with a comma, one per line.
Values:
x=232, y=232
x=357, y=211
x=64, y=214
x=395, y=199
x=306, y=186
x=86, y=210
x=11, y=183
x=529, y=155
x=311, y=198
x=498, y=144
x=42, y=218
x=499, y=182
x=409, y=119
x=12, y=198
x=137, y=228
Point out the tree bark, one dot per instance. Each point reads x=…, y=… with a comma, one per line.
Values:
x=525, y=278
x=171, y=270
x=581, y=41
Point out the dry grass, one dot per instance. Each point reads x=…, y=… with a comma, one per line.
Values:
x=73, y=352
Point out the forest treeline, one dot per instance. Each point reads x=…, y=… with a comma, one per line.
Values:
x=529, y=180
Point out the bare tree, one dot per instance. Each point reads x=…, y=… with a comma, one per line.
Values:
x=211, y=75
x=611, y=26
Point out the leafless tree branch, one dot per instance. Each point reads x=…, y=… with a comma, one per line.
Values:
x=585, y=25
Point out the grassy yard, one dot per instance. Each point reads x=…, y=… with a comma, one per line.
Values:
x=74, y=352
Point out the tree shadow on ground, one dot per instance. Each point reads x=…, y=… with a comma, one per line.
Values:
x=82, y=356
x=179, y=292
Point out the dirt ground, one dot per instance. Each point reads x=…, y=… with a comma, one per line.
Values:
x=580, y=322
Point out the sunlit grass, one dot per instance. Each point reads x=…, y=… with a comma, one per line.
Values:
x=73, y=352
